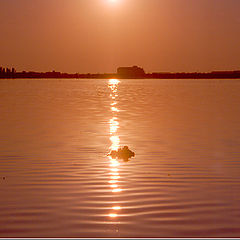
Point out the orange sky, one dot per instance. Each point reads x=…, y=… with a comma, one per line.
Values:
x=98, y=36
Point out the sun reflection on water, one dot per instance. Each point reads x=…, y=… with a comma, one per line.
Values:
x=113, y=83
x=114, y=125
x=114, y=109
x=113, y=215
x=116, y=208
x=115, y=142
x=114, y=164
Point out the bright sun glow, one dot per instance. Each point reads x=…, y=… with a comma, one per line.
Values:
x=115, y=143
x=113, y=81
x=116, y=208
x=113, y=215
x=116, y=190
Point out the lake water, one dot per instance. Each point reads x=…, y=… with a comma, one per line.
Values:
x=56, y=179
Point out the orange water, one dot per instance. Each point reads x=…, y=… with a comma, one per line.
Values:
x=56, y=179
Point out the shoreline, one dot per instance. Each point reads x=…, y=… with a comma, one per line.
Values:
x=74, y=76
x=122, y=73
x=135, y=78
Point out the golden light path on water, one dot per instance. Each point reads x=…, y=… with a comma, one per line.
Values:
x=114, y=164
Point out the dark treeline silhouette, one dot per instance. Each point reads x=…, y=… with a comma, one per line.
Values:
x=122, y=73
x=7, y=73
x=196, y=75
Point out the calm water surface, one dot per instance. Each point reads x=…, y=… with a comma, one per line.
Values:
x=56, y=179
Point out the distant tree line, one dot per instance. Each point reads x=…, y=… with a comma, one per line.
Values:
x=196, y=75
x=122, y=73
x=11, y=73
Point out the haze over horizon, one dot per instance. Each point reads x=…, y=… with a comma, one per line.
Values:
x=101, y=35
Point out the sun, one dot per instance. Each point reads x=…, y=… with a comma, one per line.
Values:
x=113, y=1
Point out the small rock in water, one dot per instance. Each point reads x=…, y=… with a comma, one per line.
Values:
x=4, y=178
x=122, y=153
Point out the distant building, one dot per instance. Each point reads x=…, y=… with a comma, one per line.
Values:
x=134, y=71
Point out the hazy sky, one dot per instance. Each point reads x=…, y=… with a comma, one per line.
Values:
x=100, y=35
